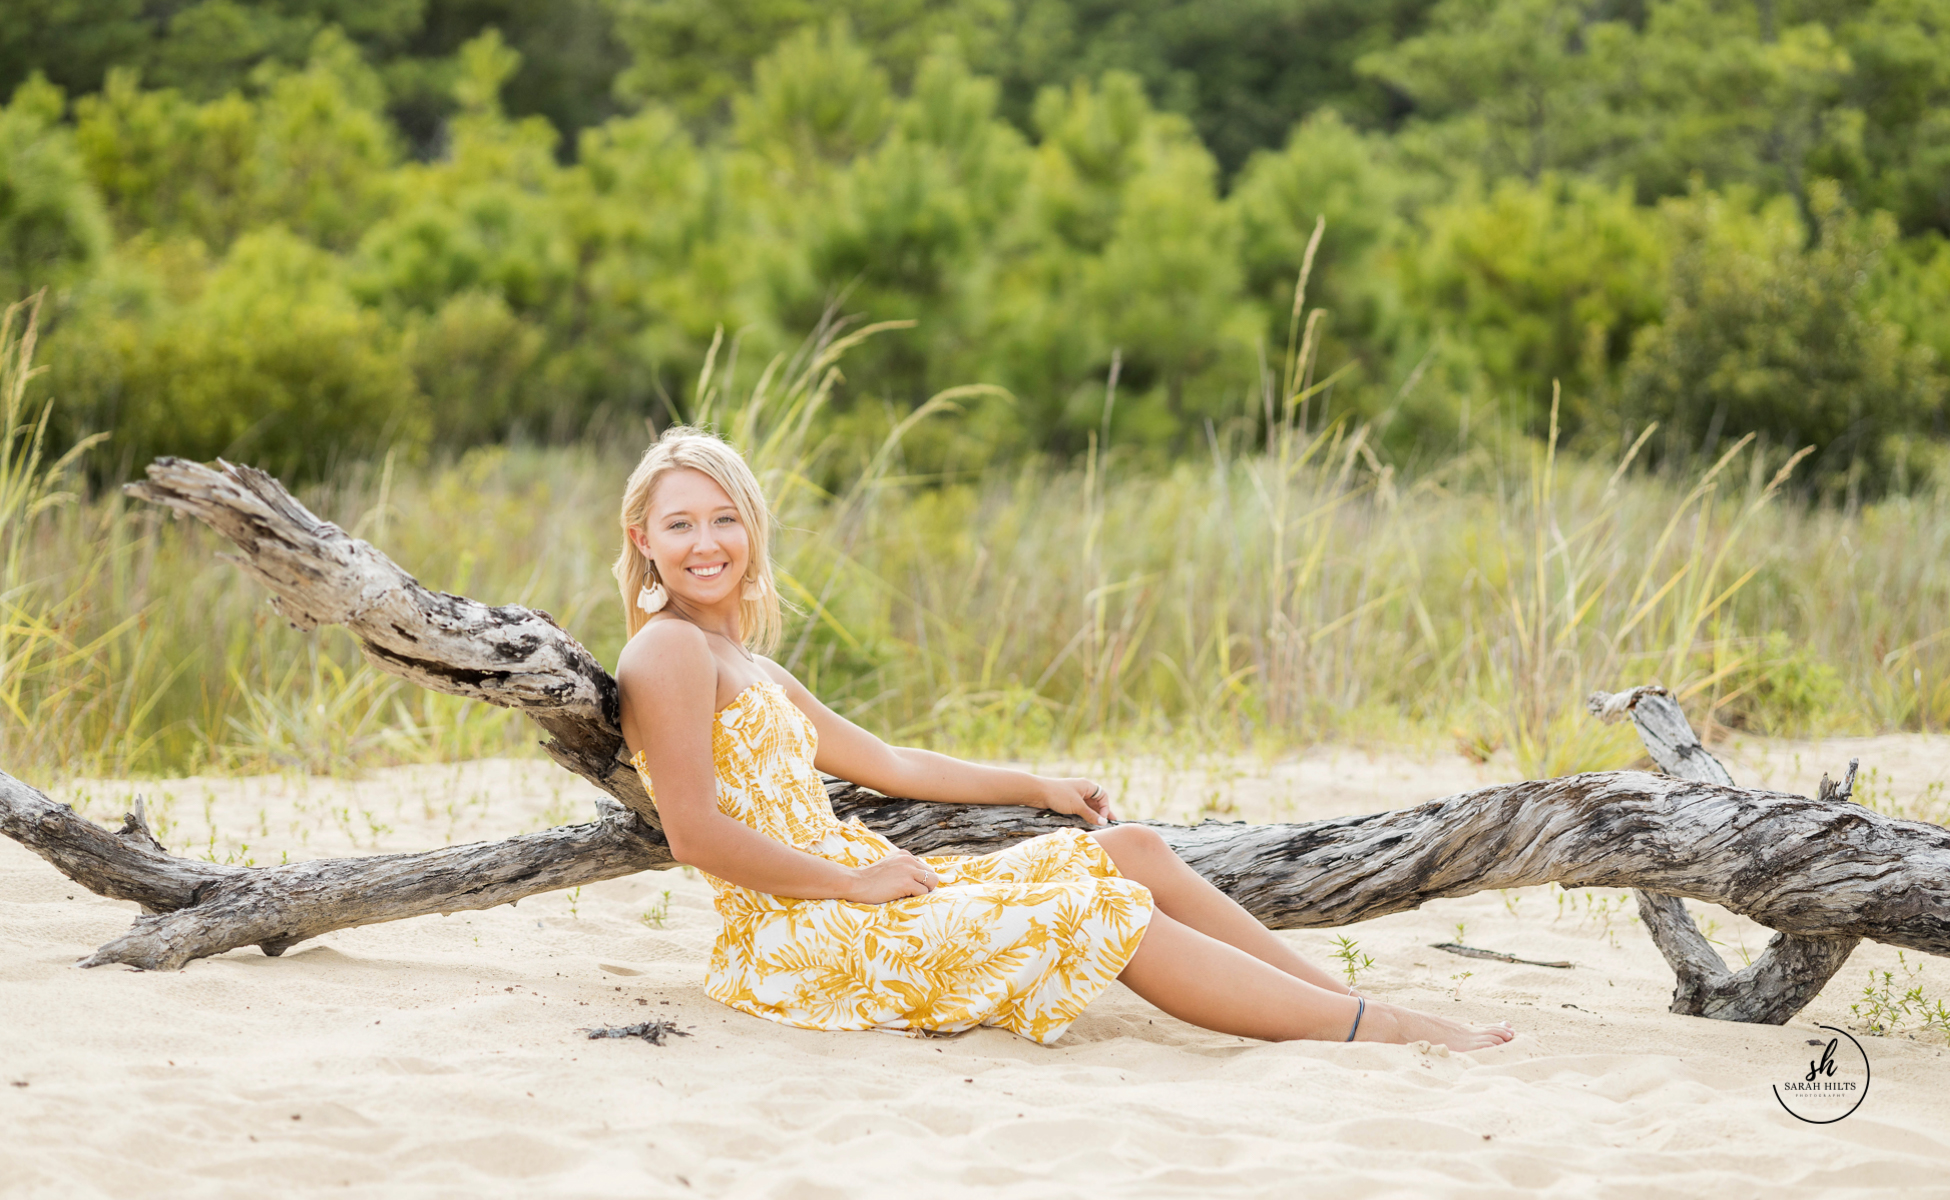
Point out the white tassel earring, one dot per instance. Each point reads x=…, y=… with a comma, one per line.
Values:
x=652, y=598
x=753, y=589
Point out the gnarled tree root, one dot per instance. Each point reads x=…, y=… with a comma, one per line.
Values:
x=1793, y=969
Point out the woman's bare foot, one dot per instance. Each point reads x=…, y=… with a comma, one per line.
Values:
x=1391, y=1023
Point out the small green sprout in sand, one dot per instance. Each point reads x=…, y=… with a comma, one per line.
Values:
x=1459, y=982
x=658, y=912
x=1462, y=927
x=575, y=895
x=1601, y=910
x=1887, y=1009
x=1353, y=962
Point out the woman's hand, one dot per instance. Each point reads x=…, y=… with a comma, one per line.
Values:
x=1080, y=798
x=898, y=875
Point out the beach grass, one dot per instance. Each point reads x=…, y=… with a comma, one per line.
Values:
x=1285, y=588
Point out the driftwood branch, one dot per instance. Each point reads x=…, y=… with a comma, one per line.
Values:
x=1812, y=868
x=197, y=909
x=318, y=574
x=1793, y=969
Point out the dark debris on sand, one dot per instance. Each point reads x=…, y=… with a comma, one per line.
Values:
x=653, y=1032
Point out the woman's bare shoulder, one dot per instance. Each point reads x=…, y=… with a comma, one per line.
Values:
x=670, y=653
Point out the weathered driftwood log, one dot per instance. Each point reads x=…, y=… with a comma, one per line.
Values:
x=1811, y=868
x=1793, y=969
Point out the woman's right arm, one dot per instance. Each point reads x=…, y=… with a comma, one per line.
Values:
x=669, y=687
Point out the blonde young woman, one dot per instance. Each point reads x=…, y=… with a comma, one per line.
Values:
x=829, y=925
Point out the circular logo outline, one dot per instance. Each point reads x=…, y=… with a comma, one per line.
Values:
x=1866, y=1074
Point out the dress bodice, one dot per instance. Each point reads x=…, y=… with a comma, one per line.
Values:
x=762, y=748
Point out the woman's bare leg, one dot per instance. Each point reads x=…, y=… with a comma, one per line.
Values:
x=1210, y=962
x=1189, y=898
x=1209, y=983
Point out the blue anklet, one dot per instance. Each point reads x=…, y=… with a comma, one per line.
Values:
x=1357, y=1017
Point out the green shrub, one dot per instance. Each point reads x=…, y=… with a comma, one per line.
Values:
x=52, y=229
x=817, y=96
x=1534, y=283
x=474, y=361
x=312, y=153
x=1781, y=688
x=1330, y=170
x=1764, y=333
x=270, y=362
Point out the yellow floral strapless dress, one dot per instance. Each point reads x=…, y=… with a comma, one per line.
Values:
x=1023, y=938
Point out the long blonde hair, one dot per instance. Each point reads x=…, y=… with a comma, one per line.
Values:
x=680, y=447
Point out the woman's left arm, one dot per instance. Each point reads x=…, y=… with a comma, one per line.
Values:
x=855, y=755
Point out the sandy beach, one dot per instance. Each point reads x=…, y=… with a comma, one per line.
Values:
x=441, y=1056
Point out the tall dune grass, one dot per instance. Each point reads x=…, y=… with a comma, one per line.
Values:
x=1285, y=588
x=1481, y=602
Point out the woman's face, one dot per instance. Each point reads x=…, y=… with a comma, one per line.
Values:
x=693, y=533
